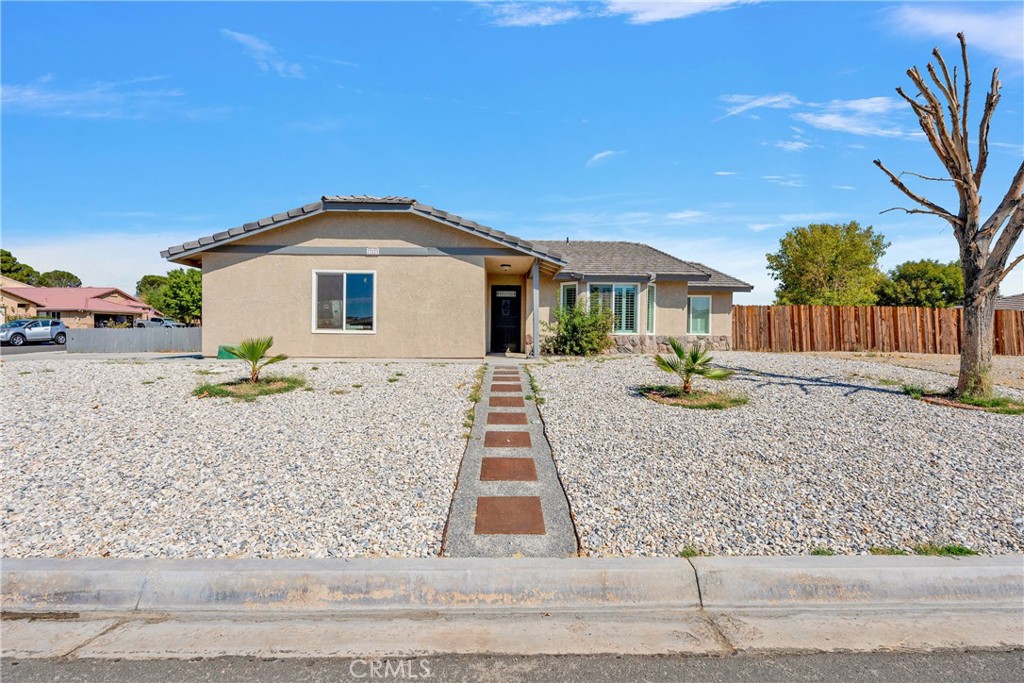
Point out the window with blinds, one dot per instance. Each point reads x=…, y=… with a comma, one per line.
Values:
x=621, y=299
x=625, y=309
x=569, y=296
x=699, y=314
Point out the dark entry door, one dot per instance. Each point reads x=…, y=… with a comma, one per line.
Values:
x=505, y=318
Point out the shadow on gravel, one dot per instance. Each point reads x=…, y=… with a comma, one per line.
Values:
x=805, y=383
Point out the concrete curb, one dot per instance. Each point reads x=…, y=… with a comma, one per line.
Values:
x=312, y=586
x=859, y=582
x=286, y=585
x=158, y=609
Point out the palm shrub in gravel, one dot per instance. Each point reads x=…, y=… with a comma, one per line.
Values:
x=690, y=363
x=253, y=352
x=578, y=331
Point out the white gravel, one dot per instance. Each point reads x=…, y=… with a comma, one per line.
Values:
x=823, y=455
x=97, y=462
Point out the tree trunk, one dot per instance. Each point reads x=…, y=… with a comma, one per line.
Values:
x=976, y=347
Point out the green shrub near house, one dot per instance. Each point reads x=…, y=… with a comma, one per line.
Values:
x=578, y=331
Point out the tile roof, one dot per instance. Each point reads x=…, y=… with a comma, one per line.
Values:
x=1010, y=303
x=590, y=259
x=361, y=203
x=78, y=299
x=587, y=258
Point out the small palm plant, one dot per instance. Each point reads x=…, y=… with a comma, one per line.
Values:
x=689, y=362
x=253, y=352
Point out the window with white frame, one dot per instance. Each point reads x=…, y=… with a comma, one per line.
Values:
x=344, y=301
x=621, y=299
x=652, y=292
x=699, y=314
x=568, y=299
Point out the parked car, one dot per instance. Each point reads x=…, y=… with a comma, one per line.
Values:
x=158, y=322
x=19, y=332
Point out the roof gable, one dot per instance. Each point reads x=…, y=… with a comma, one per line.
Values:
x=184, y=253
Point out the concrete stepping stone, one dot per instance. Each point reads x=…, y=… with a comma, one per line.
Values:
x=507, y=440
x=508, y=469
x=508, y=501
x=509, y=515
x=506, y=418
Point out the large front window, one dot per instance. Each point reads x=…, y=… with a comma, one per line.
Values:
x=344, y=301
x=700, y=314
x=622, y=300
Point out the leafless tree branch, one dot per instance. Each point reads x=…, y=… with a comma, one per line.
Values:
x=935, y=208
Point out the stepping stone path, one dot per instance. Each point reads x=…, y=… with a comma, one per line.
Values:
x=508, y=500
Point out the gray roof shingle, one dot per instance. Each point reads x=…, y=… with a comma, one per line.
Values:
x=590, y=259
x=1010, y=303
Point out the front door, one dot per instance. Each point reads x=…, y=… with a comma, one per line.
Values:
x=505, y=318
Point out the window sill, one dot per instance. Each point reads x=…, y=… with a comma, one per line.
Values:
x=344, y=331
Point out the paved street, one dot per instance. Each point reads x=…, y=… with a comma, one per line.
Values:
x=959, y=667
x=6, y=350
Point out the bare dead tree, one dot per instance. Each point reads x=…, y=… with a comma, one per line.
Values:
x=984, y=246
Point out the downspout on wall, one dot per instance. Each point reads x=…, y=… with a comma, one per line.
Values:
x=536, y=308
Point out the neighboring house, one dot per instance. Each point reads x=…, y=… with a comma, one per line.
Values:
x=368, y=277
x=76, y=307
x=1010, y=303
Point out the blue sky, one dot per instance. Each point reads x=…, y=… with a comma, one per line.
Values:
x=707, y=130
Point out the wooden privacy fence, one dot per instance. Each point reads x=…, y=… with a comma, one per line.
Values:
x=865, y=328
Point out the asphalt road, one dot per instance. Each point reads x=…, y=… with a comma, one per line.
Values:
x=958, y=667
x=7, y=350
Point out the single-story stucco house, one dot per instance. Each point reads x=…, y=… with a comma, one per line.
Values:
x=369, y=277
x=76, y=307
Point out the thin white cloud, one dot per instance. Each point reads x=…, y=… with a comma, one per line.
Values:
x=792, y=145
x=761, y=227
x=521, y=14
x=603, y=157
x=336, y=62
x=745, y=103
x=726, y=173
x=98, y=100
x=651, y=12
x=999, y=31
x=685, y=216
x=264, y=54
x=844, y=187
x=788, y=180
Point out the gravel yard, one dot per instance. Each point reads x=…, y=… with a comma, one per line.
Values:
x=117, y=458
x=824, y=455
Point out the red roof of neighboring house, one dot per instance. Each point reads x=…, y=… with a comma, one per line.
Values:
x=80, y=299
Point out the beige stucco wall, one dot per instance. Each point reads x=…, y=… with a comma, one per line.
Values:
x=16, y=306
x=427, y=306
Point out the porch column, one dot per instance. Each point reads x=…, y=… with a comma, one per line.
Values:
x=536, y=308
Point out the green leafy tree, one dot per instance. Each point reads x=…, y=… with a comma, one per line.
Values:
x=824, y=264
x=183, y=295
x=254, y=352
x=925, y=283
x=985, y=243
x=687, y=363
x=16, y=270
x=151, y=289
x=59, y=278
